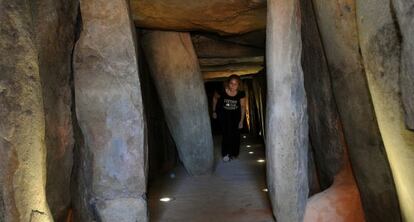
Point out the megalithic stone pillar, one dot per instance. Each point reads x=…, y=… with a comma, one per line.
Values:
x=176, y=72
x=286, y=120
x=337, y=23
x=380, y=48
x=404, y=11
x=22, y=122
x=110, y=111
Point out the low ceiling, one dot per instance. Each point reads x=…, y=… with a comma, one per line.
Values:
x=228, y=36
x=221, y=16
x=223, y=56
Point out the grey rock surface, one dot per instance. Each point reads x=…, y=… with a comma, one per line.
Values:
x=123, y=209
x=381, y=51
x=174, y=67
x=286, y=115
x=404, y=12
x=110, y=112
x=338, y=28
x=325, y=127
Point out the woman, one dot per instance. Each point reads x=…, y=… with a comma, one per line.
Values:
x=229, y=108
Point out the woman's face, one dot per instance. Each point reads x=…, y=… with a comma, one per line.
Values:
x=234, y=85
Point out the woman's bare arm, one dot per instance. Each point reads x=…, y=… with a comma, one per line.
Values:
x=243, y=111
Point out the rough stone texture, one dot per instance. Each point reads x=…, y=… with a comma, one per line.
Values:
x=380, y=48
x=162, y=152
x=337, y=23
x=123, y=209
x=110, y=112
x=235, y=54
x=325, y=129
x=176, y=73
x=255, y=39
x=340, y=202
x=221, y=71
x=22, y=126
x=404, y=11
x=245, y=66
x=222, y=75
x=55, y=27
x=226, y=17
x=258, y=60
x=287, y=121
x=313, y=179
x=80, y=180
x=208, y=47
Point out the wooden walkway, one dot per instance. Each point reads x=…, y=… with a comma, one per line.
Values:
x=233, y=193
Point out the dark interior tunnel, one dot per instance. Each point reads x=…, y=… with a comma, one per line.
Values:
x=106, y=110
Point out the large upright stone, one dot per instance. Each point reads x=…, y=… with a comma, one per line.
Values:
x=110, y=112
x=22, y=122
x=380, y=48
x=404, y=11
x=177, y=76
x=287, y=120
x=337, y=24
x=325, y=127
x=55, y=29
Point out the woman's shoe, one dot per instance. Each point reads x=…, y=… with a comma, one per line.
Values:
x=226, y=158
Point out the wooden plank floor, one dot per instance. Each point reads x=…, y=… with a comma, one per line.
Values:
x=233, y=193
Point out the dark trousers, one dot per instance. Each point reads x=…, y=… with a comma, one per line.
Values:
x=230, y=144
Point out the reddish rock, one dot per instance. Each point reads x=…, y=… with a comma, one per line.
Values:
x=338, y=28
x=55, y=29
x=225, y=17
x=340, y=202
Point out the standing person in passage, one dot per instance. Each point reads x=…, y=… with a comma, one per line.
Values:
x=229, y=108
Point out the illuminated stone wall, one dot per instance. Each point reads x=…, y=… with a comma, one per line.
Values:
x=286, y=114
x=22, y=121
x=384, y=61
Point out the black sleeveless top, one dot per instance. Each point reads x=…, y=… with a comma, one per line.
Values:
x=229, y=103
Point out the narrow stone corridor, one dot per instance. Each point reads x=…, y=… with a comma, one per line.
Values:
x=107, y=107
x=234, y=192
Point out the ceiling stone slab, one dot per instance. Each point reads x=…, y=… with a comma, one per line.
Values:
x=207, y=47
x=233, y=67
x=227, y=61
x=224, y=17
x=213, y=75
x=255, y=39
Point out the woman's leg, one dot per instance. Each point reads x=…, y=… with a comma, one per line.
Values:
x=235, y=136
x=236, y=147
x=226, y=140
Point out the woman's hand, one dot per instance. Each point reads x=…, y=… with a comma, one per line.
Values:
x=241, y=125
x=214, y=115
